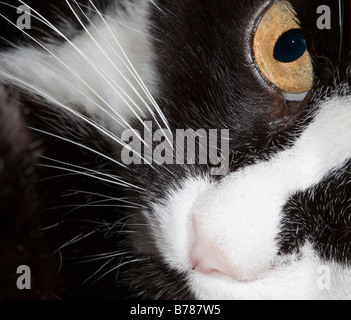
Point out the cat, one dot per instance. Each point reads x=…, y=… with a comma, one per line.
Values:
x=80, y=88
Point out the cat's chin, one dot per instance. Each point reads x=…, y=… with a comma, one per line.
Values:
x=304, y=278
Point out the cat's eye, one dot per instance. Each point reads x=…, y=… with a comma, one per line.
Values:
x=280, y=51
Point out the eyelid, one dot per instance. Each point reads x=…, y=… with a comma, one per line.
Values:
x=294, y=96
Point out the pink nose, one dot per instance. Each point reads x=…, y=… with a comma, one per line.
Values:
x=207, y=258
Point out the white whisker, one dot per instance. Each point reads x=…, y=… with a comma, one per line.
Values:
x=85, y=58
x=74, y=240
x=80, y=145
x=125, y=125
x=98, y=204
x=76, y=113
x=118, y=267
x=123, y=200
x=105, y=54
x=136, y=75
x=117, y=180
x=81, y=173
x=97, y=271
x=50, y=227
x=9, y=42
x=106, y=132
x=98, y=257
x=114, y=66
x=118, y=22
x=157, y=7
x=109, y=59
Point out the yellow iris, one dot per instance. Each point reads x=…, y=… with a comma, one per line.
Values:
x=293, y=77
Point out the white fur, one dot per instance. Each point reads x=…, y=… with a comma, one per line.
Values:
x=69, y=74
x=241, y=216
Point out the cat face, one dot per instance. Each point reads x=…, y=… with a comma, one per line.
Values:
x=275, y=226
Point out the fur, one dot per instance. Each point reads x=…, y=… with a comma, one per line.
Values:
x=270, y=229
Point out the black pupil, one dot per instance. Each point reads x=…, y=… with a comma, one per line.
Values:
x=290, y=46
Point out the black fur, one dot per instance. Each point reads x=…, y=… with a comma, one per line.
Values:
x=322, y=216
x=39, y=205
x=20, y=204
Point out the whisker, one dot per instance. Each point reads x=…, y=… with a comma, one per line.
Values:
x=119, y=22
x=76, y=239
x=82, y=54
x=117, y=181
x=113, y=64
x=74, y=73
x=97, y=204
x=98, y=257
x=103, y=225
x=109, y=59
x=65, y=107
x=80, y=173
x=341, y=26
x=44, y=21
x=79, y=145
x=158, y=7
x=136, y=75
x=118, y=267
x=9, y=42
x=76, y=113
x=97, y=271
x=60, y=259
x=50, y=227
x=123, y=200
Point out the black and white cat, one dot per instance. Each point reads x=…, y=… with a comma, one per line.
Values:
x=276, y=226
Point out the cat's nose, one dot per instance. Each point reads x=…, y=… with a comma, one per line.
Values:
x=208, y=258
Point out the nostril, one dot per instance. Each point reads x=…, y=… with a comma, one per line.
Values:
x=207, y=257
x=202, y=260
